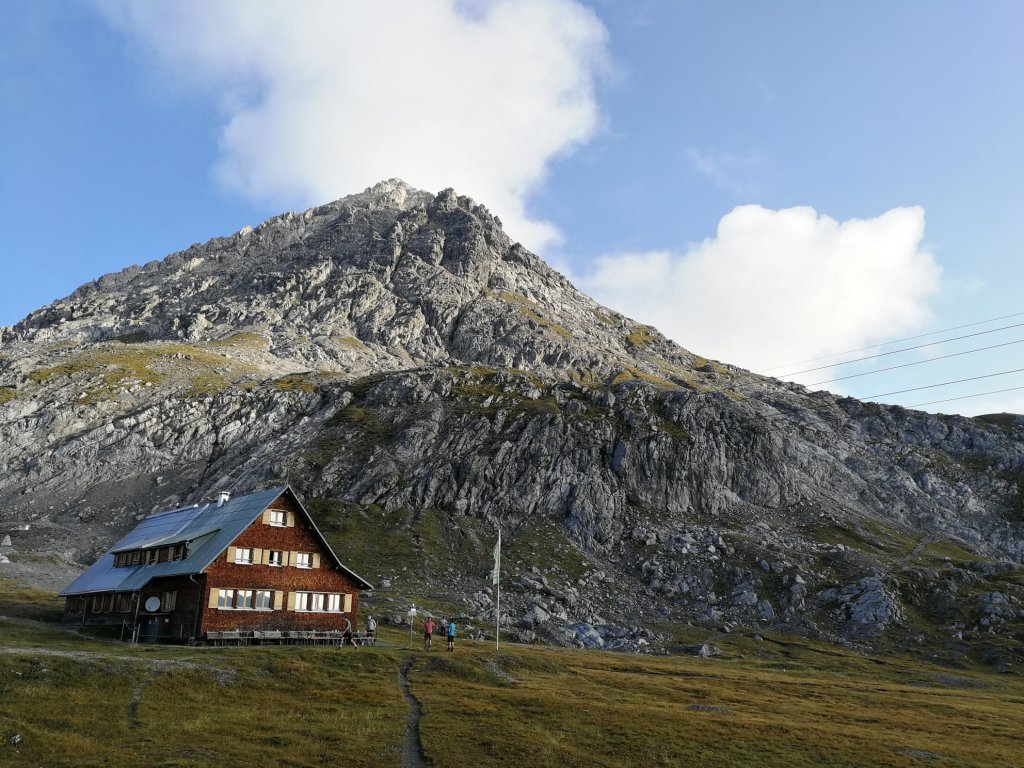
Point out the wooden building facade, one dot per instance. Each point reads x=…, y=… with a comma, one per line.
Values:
x=253, y=563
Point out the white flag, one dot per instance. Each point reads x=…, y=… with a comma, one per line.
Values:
x=495, y=574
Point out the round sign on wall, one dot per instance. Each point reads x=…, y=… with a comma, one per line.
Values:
x=153, y=604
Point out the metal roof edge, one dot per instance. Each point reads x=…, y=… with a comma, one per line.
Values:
x=280, y=489
x=363, y=582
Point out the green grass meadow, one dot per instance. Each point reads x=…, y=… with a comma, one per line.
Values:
x=76, y=700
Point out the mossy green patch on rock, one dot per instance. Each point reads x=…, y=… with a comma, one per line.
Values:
x=133, y=337
x=7, y=394
x=109, y=367
x=296, y=382
x=348, y=342
x=243, y=339
x=531, y=310
x=631, y=373
x=640, y=336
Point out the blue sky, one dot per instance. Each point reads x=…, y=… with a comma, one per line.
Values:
x=764, y=182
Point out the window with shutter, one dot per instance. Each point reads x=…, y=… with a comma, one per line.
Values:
x=243, y=556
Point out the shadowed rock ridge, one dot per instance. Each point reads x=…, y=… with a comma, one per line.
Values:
x=420, y=379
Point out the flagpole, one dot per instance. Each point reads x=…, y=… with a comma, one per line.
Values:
x=496, y=578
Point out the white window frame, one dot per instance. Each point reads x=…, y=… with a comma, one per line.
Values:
x=279, y=561
x=243, y=556
x=319, y=602
x=226, y=598
x=264, y=600
x=303, y=560
x=168, y=600
x=277, y=518
x=244, y=599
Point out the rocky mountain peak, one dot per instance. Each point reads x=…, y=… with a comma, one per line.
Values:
x=419, y=378
x=381, y=280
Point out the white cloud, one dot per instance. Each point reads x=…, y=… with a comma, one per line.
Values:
x=325, y=97
x=775, y=287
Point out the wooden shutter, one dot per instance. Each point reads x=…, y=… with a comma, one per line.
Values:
x=291, y=601
x=213, y=598
x=293, y=558
x=266, y=517
x=348, y=603
x=231, y=554
x=265, y=557
x=278, y=600
x=316, y=559
x=257, y=556
x=289, y=519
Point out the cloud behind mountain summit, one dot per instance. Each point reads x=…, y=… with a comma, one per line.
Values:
x=775, y=286
x=324, y=97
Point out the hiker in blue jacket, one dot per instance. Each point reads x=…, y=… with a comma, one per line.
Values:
x=451, y=635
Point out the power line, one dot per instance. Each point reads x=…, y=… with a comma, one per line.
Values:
x=965, y=397
x=904, y=349
x=943, y=384
x=918, y=362
x=892, y=341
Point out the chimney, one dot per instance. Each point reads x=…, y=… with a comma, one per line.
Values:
x=222, y=498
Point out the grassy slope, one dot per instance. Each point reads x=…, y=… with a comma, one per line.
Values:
x=85, y=702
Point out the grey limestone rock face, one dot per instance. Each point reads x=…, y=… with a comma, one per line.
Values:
x=394, y=355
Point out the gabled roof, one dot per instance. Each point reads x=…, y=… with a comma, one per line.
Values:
x=208, y=529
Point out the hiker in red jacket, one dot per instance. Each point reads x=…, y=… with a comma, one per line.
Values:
x=428, y=632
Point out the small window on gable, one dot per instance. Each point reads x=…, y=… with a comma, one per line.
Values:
x=243, y=556
x=276, y=517
x=274, y=557
x=303, y=560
